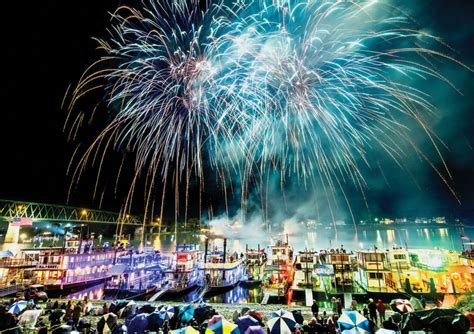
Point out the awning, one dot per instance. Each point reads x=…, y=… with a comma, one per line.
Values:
x=116, y=270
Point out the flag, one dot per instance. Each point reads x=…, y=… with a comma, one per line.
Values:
x=20, y=221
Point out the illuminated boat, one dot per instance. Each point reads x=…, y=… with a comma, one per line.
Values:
x=304, y=264
x=182, y=274
x=75, y=266
x=278, y=273
x=255, y=261
x=222, y=270
x=136, y=274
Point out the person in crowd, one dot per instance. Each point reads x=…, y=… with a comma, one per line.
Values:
x=7, y=321
x=353, y=304
x=365, y=311
x=76, y=313
x=390, y=324
x=339, y=306
x=315, y=308
x=381, y=310
x=298, y=329
x=105, y=308
x=166, y=327
x=372, y=310
x=69, y=311
x=324, y=318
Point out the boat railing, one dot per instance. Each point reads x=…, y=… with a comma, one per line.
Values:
x=227, y=265
x=80, y=278
x=15, y=262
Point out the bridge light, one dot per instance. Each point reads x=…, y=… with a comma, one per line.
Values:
x=127, y=216
x=20, y=207
x=84, y=212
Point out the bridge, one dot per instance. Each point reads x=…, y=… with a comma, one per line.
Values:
x=40, y=212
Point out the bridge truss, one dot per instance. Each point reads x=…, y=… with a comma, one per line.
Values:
x=59, y=213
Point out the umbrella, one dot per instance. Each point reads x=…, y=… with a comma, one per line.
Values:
x=245, y=322
x=281, y=322
x=203, y=312
x=154, y=321
x=354, y=321
x=255, y=314
x=166, y=312
x=215, y=318
x=185, y=330
x=107, y=323
x=401, y=305
x=29, y=318
x=255, y=330
x=186, y=313
x=147, y=308
x=139, y=324
x=244, y=310
x=118, y=305
x=17, y=307
x=385, y=331
x=128, y=309
x=298, y=316
x=416, y=303
x=222, y=327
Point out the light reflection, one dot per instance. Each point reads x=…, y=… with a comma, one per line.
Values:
x=390, y=236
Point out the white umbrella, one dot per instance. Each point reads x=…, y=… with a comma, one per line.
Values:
x=166, y=312
x=353, y=322
x=402, y=305
x=29, y=318
x=281, y=322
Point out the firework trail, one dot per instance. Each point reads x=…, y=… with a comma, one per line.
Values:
x=250, y=89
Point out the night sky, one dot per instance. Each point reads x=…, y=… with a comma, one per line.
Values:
x=46, y=45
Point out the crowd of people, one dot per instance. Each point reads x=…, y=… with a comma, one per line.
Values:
x=82, y=316
x=124, y=316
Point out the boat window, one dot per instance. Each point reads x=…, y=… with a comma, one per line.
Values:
x=375, y=275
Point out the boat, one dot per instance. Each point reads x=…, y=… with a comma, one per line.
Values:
x=182, y=274
x=222, y=270
x=278, y=273
x=74, y=266
x=255, y=261
x=136, y=274
x=304, y=264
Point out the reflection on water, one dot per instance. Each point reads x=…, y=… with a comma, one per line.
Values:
x=238, y=295
x=93, y=293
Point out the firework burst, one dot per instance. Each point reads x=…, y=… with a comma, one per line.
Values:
x=299, y=88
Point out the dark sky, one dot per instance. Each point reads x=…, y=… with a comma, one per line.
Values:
x=47, y=44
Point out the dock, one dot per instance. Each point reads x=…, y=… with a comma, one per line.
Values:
x=266, y=298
